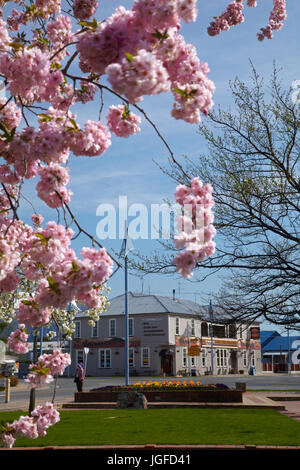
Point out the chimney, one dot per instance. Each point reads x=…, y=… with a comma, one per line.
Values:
x=173, y=294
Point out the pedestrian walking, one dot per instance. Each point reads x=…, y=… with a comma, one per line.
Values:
x=79, y=376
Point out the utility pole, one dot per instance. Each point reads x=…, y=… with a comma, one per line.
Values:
x=211, y=337
x=127, y=246
x=35, y=354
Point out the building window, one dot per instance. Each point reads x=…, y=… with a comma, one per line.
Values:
x=177, y=327
x=131, y=357
x=245, y=358
x=130, y=327
x=184, y=357
x=145, y=357
x=79, y=356
x=95, y=330
x=203, y=359
x=105, y=358
x=193, y=327
x=193, y=361
x=112, y=327
x=221, y=358
x=77, y=332
x=204, y=329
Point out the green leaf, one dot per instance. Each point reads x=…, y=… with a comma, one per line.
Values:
x=44, y=117
x=43, y=239
x=75, y=268
x=129, y=56
x=53, y=285
x=126, y=113
x=31, y=303
x=89, y=24
x=160, y=36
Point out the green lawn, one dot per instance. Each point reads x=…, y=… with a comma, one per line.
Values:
x=173, y=426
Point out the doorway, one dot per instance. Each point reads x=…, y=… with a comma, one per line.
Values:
x=166, y=362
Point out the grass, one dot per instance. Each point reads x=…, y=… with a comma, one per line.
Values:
x=173, y=426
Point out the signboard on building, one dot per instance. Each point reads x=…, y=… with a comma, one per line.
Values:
x=153, y=327
x=194, y=351
x=229, y=343
x=255, y=333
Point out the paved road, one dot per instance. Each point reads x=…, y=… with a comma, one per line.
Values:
x=66, y=387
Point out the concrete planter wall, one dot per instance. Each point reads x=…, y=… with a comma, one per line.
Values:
x=197, y=396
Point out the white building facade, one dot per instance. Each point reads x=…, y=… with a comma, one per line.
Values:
x=167, y=336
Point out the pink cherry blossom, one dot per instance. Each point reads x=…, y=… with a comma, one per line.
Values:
x=122, y=122
x=194, y=229
x=10, y=113
x=142, y=74
x=54, y=179
x=84, y=9
x=230, y=17
x=17, y=341
x=277, y=16
x=92, y=141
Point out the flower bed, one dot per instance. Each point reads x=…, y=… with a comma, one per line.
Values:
x=166, y=392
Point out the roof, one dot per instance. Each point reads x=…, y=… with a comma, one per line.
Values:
x=280, y=343
x=267, y=336
x=140, y=303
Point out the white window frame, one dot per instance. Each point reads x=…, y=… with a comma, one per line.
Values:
x=184, y=357
x=148, y=357
x=95, y=328
x=177, y=325
x=77, y=332
x=193, y=327
x=79, y=355
x=193, y=361
x=131, y=355
x=107, y=358
x=245, y=359
x=130, y=326
x=203, y=359
x=222, y=357
x=112, y=321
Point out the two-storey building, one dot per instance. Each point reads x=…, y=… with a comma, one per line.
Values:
x=166, y=336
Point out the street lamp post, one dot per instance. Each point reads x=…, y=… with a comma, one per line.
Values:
x=127, y=246
x=211, y=337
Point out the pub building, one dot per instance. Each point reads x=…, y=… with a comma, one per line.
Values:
x=167, y=337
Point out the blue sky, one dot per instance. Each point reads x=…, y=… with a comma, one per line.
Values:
x=127, y=168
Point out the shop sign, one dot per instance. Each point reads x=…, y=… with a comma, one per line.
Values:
x=194, y=351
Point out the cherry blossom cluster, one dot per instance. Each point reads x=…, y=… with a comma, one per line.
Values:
x=42, y=417
x=52, y=186
x=29, y=75
x=84, y=9
x=195, y=230
x=10, y=114
x=47, y=366
x=233, y=15
x=45, y=255
x=17, y=340
x=142, y=53
x=122, y=122
x=60, y=33
x=277, y=16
